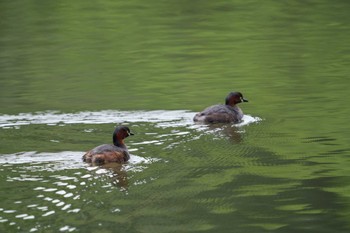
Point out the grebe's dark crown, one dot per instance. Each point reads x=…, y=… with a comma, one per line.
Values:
x=237, y=95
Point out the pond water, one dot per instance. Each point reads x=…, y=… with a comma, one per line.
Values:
x=70, y=71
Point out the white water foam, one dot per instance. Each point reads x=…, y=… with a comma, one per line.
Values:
x=162, y=118
x=72, y=159
x=63, y=159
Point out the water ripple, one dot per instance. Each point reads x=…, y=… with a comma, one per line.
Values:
x=60, y=160
x=60, y=184
x=173, y=118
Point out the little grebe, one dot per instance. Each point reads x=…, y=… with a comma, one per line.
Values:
x=223, y=113
x=106, y=153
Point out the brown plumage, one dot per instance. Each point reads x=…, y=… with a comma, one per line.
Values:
x=223, y=113
x=107, y=153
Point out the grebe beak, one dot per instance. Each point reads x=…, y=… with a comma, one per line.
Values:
x=130, y=134
x=244, y=100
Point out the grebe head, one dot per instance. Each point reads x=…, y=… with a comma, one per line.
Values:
x=234, y=98
x=120, y=133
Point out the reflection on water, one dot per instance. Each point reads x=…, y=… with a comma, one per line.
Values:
x=286, y=173
x=46, y=186
x=213, y=173
x=73, y=160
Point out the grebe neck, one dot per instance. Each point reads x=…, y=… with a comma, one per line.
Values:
x=119, y=143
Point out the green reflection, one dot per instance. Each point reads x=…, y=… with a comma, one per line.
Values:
x=290, y=59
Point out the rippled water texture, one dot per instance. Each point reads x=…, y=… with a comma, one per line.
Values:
x=70, y=71
x=55, y=191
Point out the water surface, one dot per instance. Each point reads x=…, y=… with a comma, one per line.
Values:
x=71, y=71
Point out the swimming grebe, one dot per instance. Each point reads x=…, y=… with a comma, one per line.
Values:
x=106, y=153
x=223, y=113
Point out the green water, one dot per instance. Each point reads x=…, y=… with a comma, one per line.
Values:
x=285, y=171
